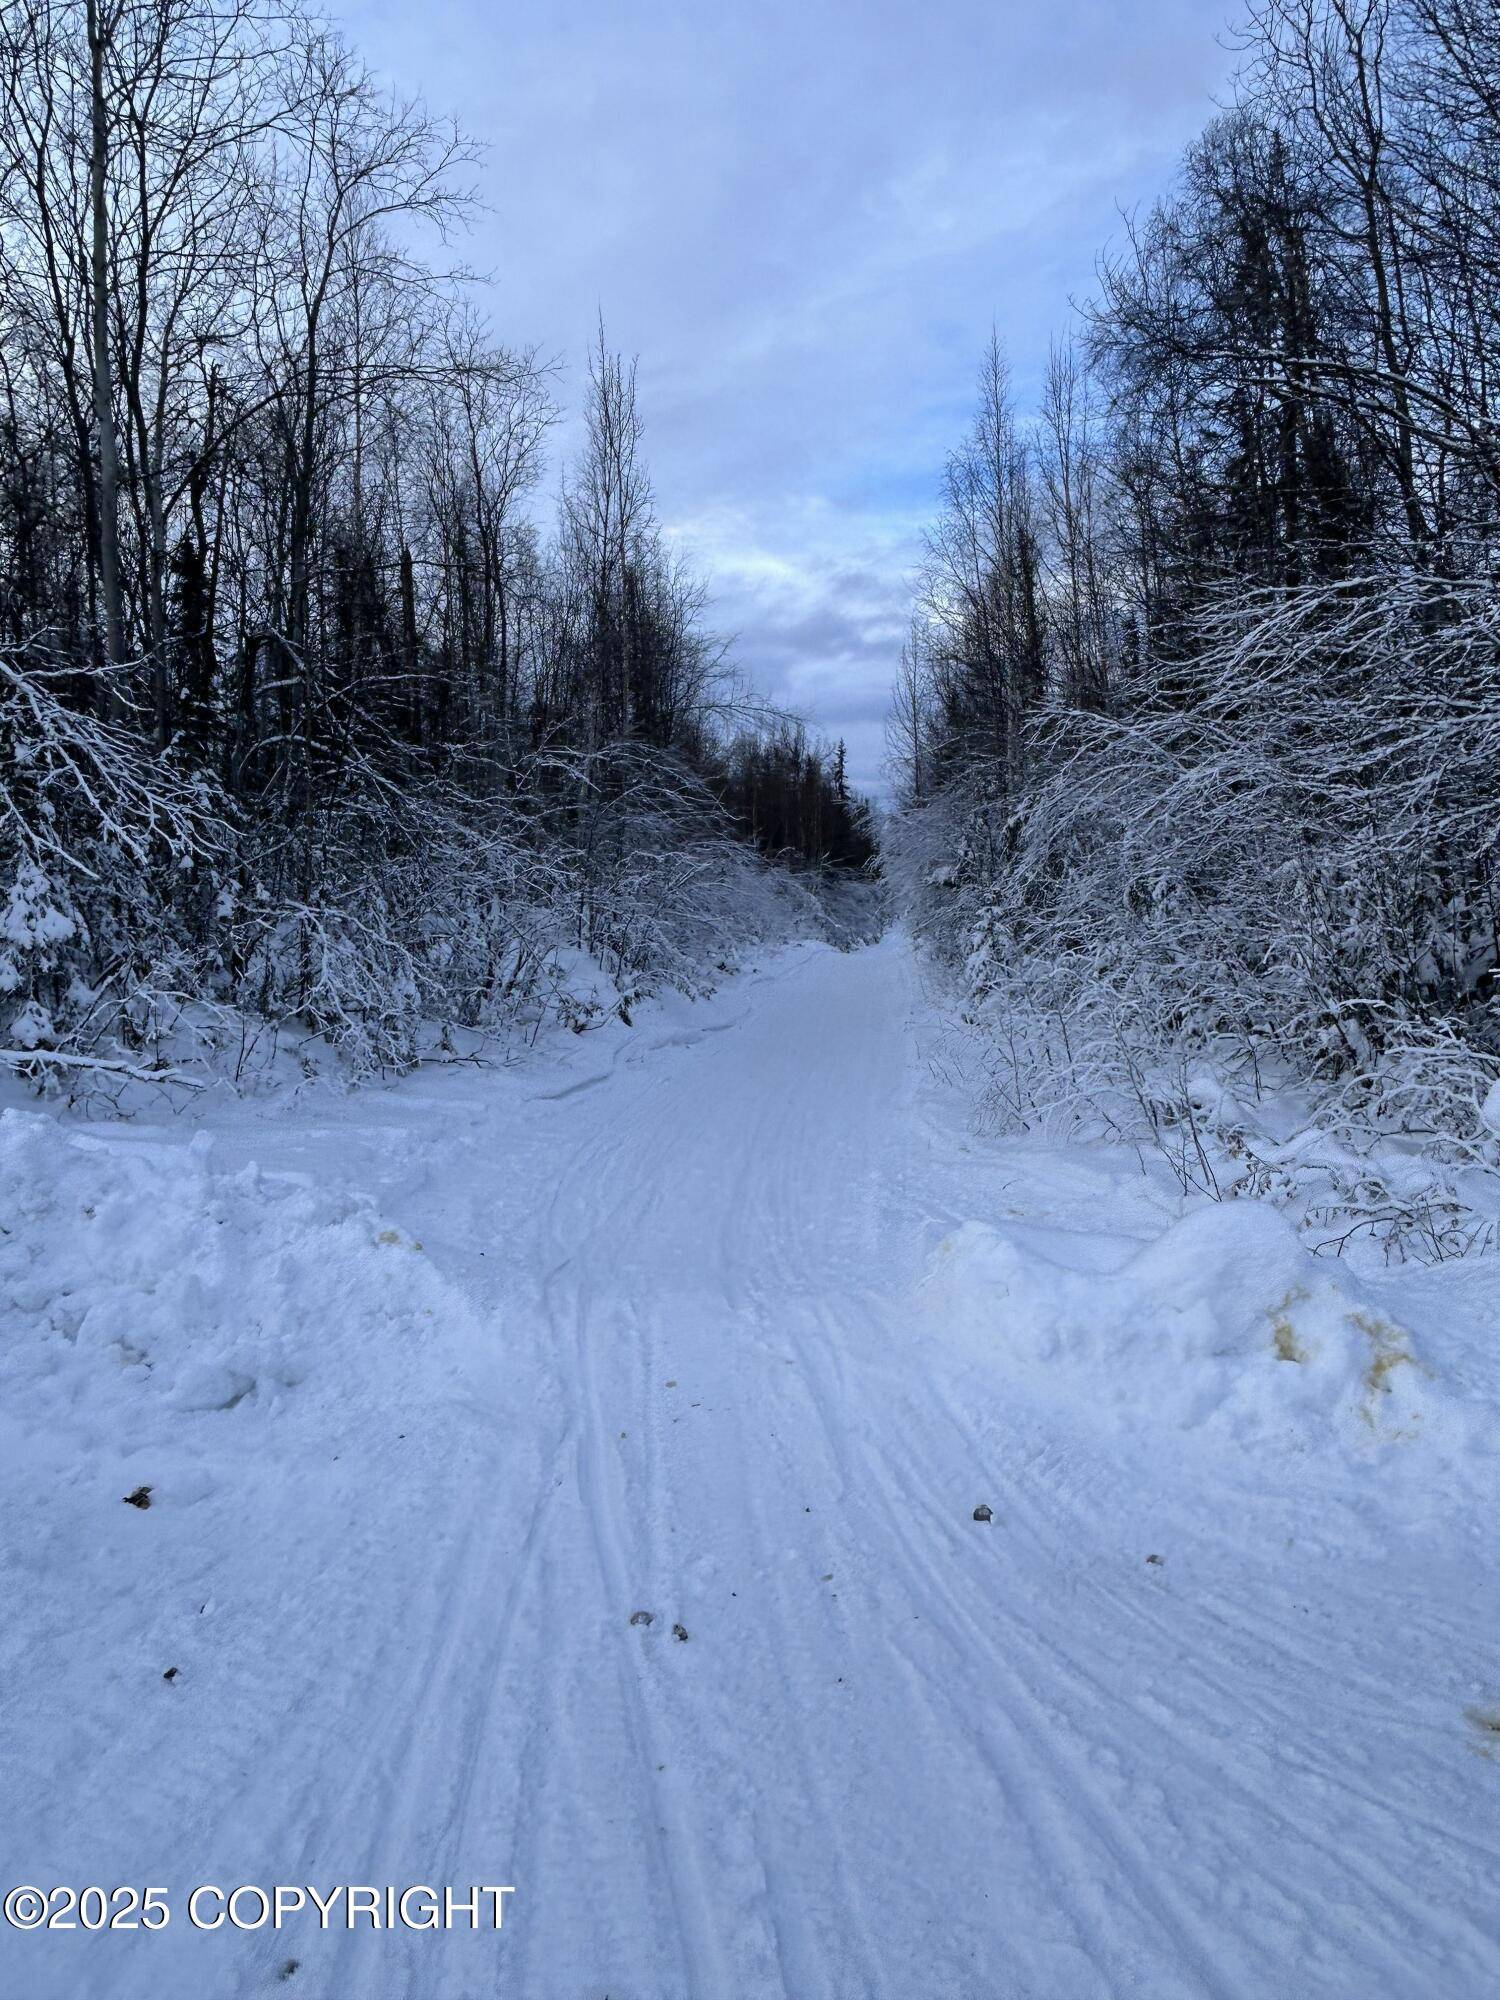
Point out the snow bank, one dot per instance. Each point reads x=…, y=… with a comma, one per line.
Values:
x=1225, y=1324
x=142, y=1285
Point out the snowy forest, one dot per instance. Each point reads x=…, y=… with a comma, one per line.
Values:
x=305, y=715
x=640, y=1356
x=1197, y=736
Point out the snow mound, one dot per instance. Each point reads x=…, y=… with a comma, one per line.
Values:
x=1224, y=1324
x=143, y=1287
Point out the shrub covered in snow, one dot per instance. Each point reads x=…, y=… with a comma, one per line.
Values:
x=1253, y=921
x=145, y=923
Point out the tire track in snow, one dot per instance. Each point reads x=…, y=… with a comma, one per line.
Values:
x=677, y=1842
x=578, y=1228
x=444, y=1720
x=1389, y=1903
x=1030, y=1738
x=802, y=1947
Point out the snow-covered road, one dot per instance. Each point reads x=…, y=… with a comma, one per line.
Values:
x=1194, y=1714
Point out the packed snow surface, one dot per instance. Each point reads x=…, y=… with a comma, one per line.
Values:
x=731, y=1318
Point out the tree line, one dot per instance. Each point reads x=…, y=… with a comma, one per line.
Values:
x=300, y=708
x=1197, y=736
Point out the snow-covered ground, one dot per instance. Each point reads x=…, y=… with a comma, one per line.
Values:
x=730, y=1318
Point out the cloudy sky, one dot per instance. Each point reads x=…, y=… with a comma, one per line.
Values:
x=803, y=216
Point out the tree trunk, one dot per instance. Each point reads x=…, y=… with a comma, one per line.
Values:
x=104, y=402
